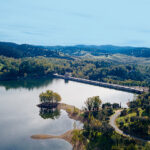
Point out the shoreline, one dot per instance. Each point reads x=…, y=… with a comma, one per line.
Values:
x=120, y=87
x=73, y=113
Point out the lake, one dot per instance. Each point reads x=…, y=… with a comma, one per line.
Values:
x=20, y=117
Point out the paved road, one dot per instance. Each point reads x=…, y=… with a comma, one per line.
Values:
x=112, y=122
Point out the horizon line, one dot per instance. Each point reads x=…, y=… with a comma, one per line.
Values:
x=73, y=45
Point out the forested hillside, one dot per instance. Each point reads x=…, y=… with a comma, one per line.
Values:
x=25, y=50
x=80, y=50
x=105, y=71
x=26, y=61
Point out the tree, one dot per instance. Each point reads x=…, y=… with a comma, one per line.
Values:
x=147, y=146
x=50, y=97
x=106, y=105
x=124, y=112
x=116, y=105
x=131, y=147
x=93, y=103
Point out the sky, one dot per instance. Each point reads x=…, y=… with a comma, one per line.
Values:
x=72, y=22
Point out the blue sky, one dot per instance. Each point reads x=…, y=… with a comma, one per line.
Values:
x=71, y=22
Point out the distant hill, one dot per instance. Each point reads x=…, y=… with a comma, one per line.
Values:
x=81, y=50
x=25, y=50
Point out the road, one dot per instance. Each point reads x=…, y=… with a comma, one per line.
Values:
x=112, y=122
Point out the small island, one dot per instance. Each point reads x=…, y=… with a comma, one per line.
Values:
x=49, y=99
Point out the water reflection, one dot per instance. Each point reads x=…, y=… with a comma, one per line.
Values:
x=49, y=113
x=72, y=93
x=66, y=81
x=29, y=84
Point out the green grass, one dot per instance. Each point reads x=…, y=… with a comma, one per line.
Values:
x=1, y=66
x=126, y=119
x=140, y=111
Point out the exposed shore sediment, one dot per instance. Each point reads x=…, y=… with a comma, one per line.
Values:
x=73, y=113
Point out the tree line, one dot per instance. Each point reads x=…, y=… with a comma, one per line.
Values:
x=11, y=68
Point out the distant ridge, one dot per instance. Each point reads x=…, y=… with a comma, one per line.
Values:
x=25, y=50
x=94, y=50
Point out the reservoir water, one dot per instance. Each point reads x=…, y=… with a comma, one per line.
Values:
x=20, y=117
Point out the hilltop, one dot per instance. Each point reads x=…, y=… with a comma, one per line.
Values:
x=26, y=50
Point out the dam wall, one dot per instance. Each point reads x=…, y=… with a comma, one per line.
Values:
x=102, y=84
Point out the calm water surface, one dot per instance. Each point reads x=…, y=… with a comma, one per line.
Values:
x=20, y=117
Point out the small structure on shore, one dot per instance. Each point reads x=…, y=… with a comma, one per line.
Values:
x=68, y=74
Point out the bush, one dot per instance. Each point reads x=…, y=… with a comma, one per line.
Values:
x=131, y=147
x=75, y=111
x=121, y=124
x=123, y=113
x=68, y=110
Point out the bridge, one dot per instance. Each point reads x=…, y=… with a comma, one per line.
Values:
x=137, y=90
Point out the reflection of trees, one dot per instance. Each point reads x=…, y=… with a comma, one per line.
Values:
x=52, y=113
x=66, y=81
x=27, y=84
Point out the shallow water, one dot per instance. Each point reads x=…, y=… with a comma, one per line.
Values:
x=19, y=115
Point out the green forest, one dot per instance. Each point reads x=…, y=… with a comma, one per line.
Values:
x=100, y=70
x=27, y=61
